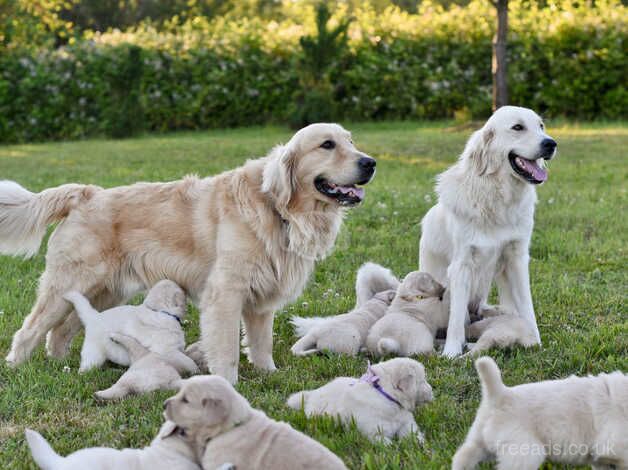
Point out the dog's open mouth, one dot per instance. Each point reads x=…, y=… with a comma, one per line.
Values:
x=347, y=195
x=530, y=170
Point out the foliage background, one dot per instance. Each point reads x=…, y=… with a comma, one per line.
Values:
x=214, y=65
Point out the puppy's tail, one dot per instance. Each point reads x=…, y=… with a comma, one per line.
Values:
x=490, y=377
x=24, y=216
x=83, y=308
x=43, y=454
x=303, y=326
x=387, y=346
x=371, y=279
x=296, y=401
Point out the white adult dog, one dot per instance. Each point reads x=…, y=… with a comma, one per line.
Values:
x=577, y=420
x=480, y=229
x=242, y=244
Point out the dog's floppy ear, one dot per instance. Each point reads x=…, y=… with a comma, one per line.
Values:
x=279, y=177
x=216, y=410
x=406, y=384
x=478, y=151
x=426, y=283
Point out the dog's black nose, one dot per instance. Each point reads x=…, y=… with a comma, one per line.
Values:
x=367, y=163
x=547, y=147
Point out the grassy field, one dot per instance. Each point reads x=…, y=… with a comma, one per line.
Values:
x=578, y=274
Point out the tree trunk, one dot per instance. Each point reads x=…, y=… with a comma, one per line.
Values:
x=500, y=85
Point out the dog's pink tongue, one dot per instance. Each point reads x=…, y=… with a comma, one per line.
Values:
x=539, y=174
x=357, y=192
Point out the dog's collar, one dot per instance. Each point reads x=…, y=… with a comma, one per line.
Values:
x=176, y=317
x=371, y=378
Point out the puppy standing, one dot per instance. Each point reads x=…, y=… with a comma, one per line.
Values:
x=168, y=451
x=156, y=323
x=578, y=421
x=222, y=427
x=412, y=320
x=149, y=371
x=381, y=402
x=481, y=227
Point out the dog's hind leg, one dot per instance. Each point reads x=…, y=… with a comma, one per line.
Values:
x=59, y=339
x=115, y=392
x=305, y=346
x=468, y=456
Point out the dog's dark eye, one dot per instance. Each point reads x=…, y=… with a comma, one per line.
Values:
x=328, y=144
x=542, y=126
x=517, y=127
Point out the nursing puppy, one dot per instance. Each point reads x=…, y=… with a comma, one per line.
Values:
x=410, y=324
x=381, y=402
x=168, y=451
x=156, y=324
x=480, y=229
x=577, y=421
x=223, y=428
x=501, y=330
x=255, y=232
x=149, y=371
x=346, y=333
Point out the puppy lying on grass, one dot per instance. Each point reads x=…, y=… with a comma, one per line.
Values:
x=499, y=329
x=381, y=402
x=223, y=428
x=149, y=371
x=168, y=451
x=413, y=318
x=577, y=420
x=346, y=333
x=156, y=324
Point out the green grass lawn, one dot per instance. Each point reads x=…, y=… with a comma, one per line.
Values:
x=578, y=274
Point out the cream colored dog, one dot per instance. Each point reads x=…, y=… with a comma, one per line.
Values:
x=412, y=320
x=346, y=333
x=499, y=329
x=480, y=229
x=578, y=421
x=156, y=324
x=149, y=371
x=381, y=402
x=223, y=428
x=255, y=232
x=168, y=451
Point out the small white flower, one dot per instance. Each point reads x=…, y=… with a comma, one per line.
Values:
x=550, y=200
x=304, y=304
x=66, y=369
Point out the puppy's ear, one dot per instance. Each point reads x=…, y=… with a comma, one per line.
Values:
x=279, y=177
x=478, y=151
x=406, y=384
x=216, y=410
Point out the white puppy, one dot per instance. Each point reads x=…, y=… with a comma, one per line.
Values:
x=409, y=327
x=381, y=402
x=481, y=227
x=168, y=451
x=500, y=330
x=156, y=324
x=224, y=430
x=149, y=371
x=342, y=334
x=578, y=421
x=346, y=333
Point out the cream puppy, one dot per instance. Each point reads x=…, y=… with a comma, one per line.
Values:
x=168, y=451
x=343, y=334
x=156, y=324
x=149, y=371
x=381, y=402
x=577, y=421
x=501, y=330
x=412, y=320
x=223, y=428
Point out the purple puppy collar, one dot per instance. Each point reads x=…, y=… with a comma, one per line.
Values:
x=372, y=379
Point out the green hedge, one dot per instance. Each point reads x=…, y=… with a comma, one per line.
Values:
x=563, y=61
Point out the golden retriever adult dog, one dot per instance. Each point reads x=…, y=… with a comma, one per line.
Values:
x=480, y=229
x=242, y=243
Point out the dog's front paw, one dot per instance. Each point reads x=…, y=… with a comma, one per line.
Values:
x=452, y=349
